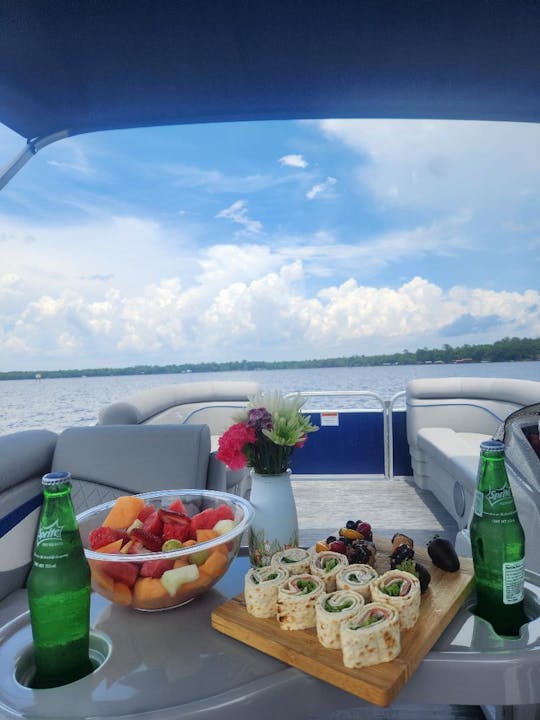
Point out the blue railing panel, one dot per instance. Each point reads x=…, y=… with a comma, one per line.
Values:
x=355, y=446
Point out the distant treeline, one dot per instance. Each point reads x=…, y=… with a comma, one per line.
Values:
x=505, y=350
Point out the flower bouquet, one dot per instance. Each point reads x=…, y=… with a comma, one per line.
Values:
x=263, y=438
x=265, y=434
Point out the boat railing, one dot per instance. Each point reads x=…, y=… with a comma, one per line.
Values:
x=386, y=407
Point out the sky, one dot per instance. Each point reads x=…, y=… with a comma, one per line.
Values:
x=269, y=241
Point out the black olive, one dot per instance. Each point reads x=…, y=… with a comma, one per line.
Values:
x=351, y=524
x=443, y=554
x=330, y=539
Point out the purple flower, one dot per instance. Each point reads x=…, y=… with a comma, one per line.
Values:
x=259, y=419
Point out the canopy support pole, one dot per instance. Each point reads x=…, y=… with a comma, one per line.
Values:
x=29, y=150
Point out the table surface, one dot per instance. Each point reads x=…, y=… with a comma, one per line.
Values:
x=173, y=664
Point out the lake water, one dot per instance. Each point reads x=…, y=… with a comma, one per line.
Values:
x=57, y=403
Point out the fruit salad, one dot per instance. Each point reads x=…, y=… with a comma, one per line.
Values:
x=137, y=527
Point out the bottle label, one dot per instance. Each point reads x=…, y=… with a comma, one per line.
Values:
x=51, y=534
x=513, y=580
x=499, y=496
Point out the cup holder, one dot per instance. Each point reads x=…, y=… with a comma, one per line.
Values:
x=484, y=637
x=100, y=651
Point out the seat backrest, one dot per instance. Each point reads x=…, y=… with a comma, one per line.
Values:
x=465, y=404
x=24, y=458
x=112, y=460
x=172, y=403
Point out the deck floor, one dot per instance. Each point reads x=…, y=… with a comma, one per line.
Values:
x=390, y=506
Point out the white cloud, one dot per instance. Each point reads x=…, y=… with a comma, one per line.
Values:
x=296, y=161
x=323, y=189
x=238, y=213
x=270, y=316
x=444, y=164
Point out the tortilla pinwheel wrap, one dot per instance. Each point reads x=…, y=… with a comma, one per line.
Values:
x=325, y=565
x=297, y=597
x=261, y=590
x=371, y=636
x=401, y=590
x=331, y=610
x=295, y=560
x=357, y=577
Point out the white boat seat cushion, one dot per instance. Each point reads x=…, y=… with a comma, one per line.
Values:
x=456, y=452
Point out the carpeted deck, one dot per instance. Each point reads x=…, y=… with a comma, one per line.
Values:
x=388, y=505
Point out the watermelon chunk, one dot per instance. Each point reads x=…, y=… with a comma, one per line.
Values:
x=155, y=568
x=153, y=523
x=146, y=510
x=101, y=536
x=224, y=512
x=124, y=572
x=172, y=531
x=178, y=506
x=204, y=520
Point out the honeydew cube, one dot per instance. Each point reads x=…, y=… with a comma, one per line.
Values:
x=173, y=579
x=223, y=526
x=135, y=524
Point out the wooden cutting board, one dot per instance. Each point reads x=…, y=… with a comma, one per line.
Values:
x=378, y=684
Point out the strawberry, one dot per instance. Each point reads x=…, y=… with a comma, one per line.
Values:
x=153, y=523
x=100, y=536
x=124, y=572
x=148, y=539
x=155, y=568
x=171, y=531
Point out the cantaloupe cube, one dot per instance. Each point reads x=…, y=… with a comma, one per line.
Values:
x=215, y=566
x=101, y=580
x=149, y=593
x=203, y=535
x=123, y=512
x=112, y=547
x=181, y=562
x=121, y=594
x=201, y=583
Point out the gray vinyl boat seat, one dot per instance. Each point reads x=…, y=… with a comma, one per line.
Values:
x=105, y=462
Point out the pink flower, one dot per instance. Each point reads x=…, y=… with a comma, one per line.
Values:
x=232, y=444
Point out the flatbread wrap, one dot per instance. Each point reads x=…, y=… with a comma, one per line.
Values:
x=261, y=590
x=371, y=636
x=296, y=560
x=357, y=577
x=331, y=610
x=401, y=590
x=325, y=565
x=297, y=597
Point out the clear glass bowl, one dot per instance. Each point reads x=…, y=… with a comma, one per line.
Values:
x=212, y=557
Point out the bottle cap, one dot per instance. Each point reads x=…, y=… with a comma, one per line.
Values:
x=492, y=445
x=55, y=478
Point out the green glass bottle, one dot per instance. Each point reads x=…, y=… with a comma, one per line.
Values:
x=59, y=590
x=498, y=545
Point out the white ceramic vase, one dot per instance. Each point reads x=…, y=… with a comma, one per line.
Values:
x=275, y=525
